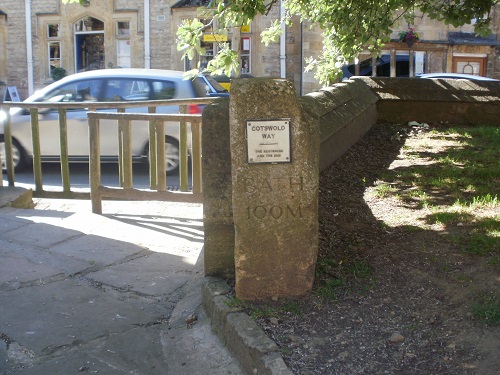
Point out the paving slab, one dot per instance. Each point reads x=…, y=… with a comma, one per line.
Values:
x=17, y=270
x=68, y=313
x=108, y=294
x=38, y=256
x=152, y=274
x=78, y=363
x=96, y=249
x=8, y=223
x=41, y=234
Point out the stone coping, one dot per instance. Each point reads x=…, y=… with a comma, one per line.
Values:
x=254, y=350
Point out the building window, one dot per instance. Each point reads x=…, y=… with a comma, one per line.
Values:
x=53, y=30
x=245, y=55
x=54, y=56
x=123, y=59
x=122, y=28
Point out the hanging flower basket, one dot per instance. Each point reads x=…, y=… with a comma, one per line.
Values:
x=410, y=37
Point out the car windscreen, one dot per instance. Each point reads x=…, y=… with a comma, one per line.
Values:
x=206, y=85
x=216, y=85
x=79, y=91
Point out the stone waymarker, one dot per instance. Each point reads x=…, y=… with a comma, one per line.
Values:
x=274, y=158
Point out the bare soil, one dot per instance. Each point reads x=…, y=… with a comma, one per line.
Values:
x=402, y=294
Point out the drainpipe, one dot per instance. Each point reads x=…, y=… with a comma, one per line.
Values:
x=29, y=46
x=301, y=86
x=147, y=46
x=282, y=43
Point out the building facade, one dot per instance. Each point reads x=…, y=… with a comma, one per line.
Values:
x=38, y=36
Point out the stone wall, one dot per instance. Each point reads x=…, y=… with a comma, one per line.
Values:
x=453, y=101
x=343, y=114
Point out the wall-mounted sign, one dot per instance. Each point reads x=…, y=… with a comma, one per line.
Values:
x=245, y=43
x=268, y=141
x=11, y=94
x=214, y=38
x=246, y=28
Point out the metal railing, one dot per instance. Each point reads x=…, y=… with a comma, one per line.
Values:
x=125, y=121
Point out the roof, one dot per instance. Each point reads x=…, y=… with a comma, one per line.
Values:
x=471, y=38
x=190, y=3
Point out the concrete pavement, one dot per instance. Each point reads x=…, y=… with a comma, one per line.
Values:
x=106, y=294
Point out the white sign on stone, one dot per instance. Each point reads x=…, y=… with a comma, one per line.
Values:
x=268, y=141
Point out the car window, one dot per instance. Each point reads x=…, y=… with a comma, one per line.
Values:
x=215, y=85
x=164, y=90
x=117, y=90
x=80, y=91
x=200, y=87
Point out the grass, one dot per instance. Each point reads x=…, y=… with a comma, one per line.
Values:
x=487, y=309
x=335, y=278
x=454, y=175
x=457, y=177
x=266, y=310
x=465, y=169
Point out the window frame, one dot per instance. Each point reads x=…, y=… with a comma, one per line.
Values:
x=50, y=45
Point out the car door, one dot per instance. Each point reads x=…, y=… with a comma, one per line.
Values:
x=125, y=89
x=77, y=92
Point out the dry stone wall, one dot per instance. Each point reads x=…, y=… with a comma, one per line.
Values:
x=452, y=101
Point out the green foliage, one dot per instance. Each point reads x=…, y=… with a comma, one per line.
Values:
x=57, y=73
x=348, y=26
x=265, y=310
x=487, y=308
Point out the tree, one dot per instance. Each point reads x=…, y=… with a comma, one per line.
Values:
x=349, y=26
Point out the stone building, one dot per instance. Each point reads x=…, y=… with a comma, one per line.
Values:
x=141, y=33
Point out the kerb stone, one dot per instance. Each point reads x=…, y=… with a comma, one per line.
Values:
x=275, y=200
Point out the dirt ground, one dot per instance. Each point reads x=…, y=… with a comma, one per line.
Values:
x=404, y=294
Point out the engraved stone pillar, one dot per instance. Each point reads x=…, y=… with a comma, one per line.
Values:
x=274, y=156
x=217, y=210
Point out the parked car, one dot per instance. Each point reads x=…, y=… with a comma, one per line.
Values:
x=225, y=81
x=456, y=76
x=106, y=85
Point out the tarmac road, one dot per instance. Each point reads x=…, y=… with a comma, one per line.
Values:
x=79, y=177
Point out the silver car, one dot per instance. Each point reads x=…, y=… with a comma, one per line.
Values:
x=106, y=85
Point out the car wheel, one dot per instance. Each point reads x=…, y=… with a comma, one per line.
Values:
x=18, y=154
x=171, y=155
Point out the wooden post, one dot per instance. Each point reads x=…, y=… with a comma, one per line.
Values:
x=153, y=181
x=393, y=62
x=8, y=150
x=37, y=158
x=63, y=140
x=120, y=147
x=412, y=63
x=95, y=165
x=161, y=176
x=183, y=152
x=196, y=156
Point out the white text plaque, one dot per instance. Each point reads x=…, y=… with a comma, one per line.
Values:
x=268, y=141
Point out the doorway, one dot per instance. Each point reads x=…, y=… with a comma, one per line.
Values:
x=89, y=44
